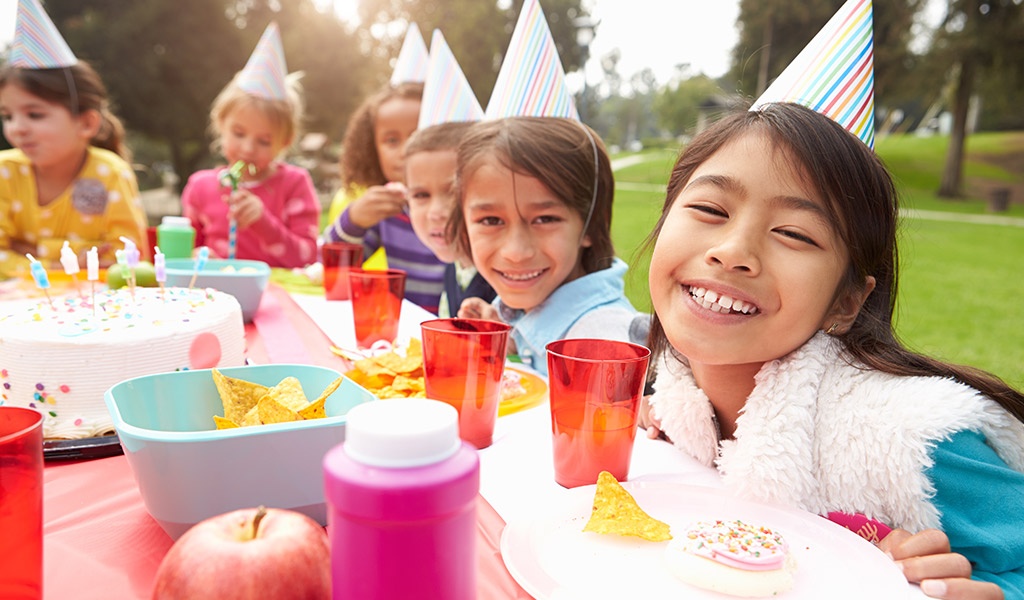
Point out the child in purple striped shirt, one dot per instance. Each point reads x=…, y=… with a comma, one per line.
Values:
x=375, y=212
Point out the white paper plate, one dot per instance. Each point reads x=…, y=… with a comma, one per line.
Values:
x=551, y=557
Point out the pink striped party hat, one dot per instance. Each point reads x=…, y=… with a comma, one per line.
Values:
x=834, y=74
x=447, y=95
x=411, y=65
x=37, y=43
x=531, y=82
x=264, y=73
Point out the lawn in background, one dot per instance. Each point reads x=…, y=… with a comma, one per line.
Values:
x=961, y=284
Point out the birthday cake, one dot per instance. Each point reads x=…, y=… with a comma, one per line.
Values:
x=732, y=557
x=60, y=358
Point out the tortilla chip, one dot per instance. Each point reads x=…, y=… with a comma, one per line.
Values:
x=289, y=393
x=392, y=374
x=315, y=410
x=237, y=396
x=272, y=411
x=616, y=511
x=251, y=418
x=223, y=423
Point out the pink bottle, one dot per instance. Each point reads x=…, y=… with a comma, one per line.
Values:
x=401, y=494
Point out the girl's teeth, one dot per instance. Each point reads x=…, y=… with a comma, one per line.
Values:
x=720, y=303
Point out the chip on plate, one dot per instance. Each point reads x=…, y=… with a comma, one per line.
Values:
x=394, y=374
x=616, y=511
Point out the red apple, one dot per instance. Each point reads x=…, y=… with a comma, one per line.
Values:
x=248, y=553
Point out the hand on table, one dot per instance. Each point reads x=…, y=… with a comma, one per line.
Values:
x=244, y=207
x=378, y=203
x=925, y=558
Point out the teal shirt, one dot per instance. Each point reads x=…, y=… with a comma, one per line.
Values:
x=981, y=501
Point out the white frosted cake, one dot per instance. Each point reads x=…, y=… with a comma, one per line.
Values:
x=61, y=359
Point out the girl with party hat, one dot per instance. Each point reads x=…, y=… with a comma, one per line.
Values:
x=371, y=207
x=535, y=192
x=773, y=279
x=257, y=207
x=68, y=178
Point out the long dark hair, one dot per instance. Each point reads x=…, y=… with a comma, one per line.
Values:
x=863, y=207
x=77, y=88
x=359, y=162
x=561, y=154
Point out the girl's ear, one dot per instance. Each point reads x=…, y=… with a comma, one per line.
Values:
x=845, y=310
x=586, y=243
x=89, y=123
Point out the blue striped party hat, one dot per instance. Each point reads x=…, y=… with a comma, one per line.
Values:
x=411, y=65
x=834, y=74
x=37, y=43
x=531, y=82
x=264, y=73
x=447, y=95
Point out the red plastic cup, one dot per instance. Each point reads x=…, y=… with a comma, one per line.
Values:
x=595, y=388
x=21, y=503
x=376, y=304
x=463, y=363
x=338, y=258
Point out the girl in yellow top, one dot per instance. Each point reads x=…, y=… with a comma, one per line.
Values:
x=67, y=177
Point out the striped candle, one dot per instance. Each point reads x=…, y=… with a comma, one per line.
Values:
x=531, y=82
x=834, y=73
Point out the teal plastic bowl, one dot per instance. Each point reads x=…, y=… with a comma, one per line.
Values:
x=188, y=471
x=243, y=279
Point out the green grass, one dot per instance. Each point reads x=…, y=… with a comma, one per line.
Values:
x=961, y=284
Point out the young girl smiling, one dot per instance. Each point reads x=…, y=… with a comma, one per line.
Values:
x=773, y=279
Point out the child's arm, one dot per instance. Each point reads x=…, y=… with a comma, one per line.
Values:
x=290, y=230
x=925, y=558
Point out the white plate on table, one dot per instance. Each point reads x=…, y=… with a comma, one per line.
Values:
x=551, y=557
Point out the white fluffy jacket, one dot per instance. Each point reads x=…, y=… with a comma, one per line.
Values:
x=824, y=435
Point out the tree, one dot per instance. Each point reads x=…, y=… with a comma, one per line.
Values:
x=679, y=104
x=985, y=38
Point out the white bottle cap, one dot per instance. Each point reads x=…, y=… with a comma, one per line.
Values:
x=176, y=221
x=402, y=433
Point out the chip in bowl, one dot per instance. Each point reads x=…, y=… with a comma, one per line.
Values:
x=247, y=404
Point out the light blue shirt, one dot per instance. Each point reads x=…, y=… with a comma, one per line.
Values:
x=572, y=304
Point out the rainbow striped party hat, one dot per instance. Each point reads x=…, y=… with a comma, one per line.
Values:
x=411, y=66
x=531, y=82
x=263, y=75
x=37, y=43
x=447, y=95
x=834, y=74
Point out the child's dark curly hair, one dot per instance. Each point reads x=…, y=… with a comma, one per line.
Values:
x=359, y=162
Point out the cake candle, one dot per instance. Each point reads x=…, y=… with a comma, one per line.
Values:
x=122, y=261
x=92, y=270
x=201, y=257
x=132, y=255
x=160, y=269
x=39, y=274
x=69, y=260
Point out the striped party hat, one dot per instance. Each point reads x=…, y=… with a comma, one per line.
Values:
x=531, y=82
x=447, y=95
x=263, y=75
x=411, y=66
x=37, y=43
x=834, y=74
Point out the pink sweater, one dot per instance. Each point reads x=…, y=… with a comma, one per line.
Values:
x=285, y=236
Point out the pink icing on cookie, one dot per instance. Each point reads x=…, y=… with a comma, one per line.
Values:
x=736, y=544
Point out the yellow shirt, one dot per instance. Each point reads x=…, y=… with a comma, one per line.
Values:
x=101, y=205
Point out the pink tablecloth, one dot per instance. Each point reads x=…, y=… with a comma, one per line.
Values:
x=99, y=541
